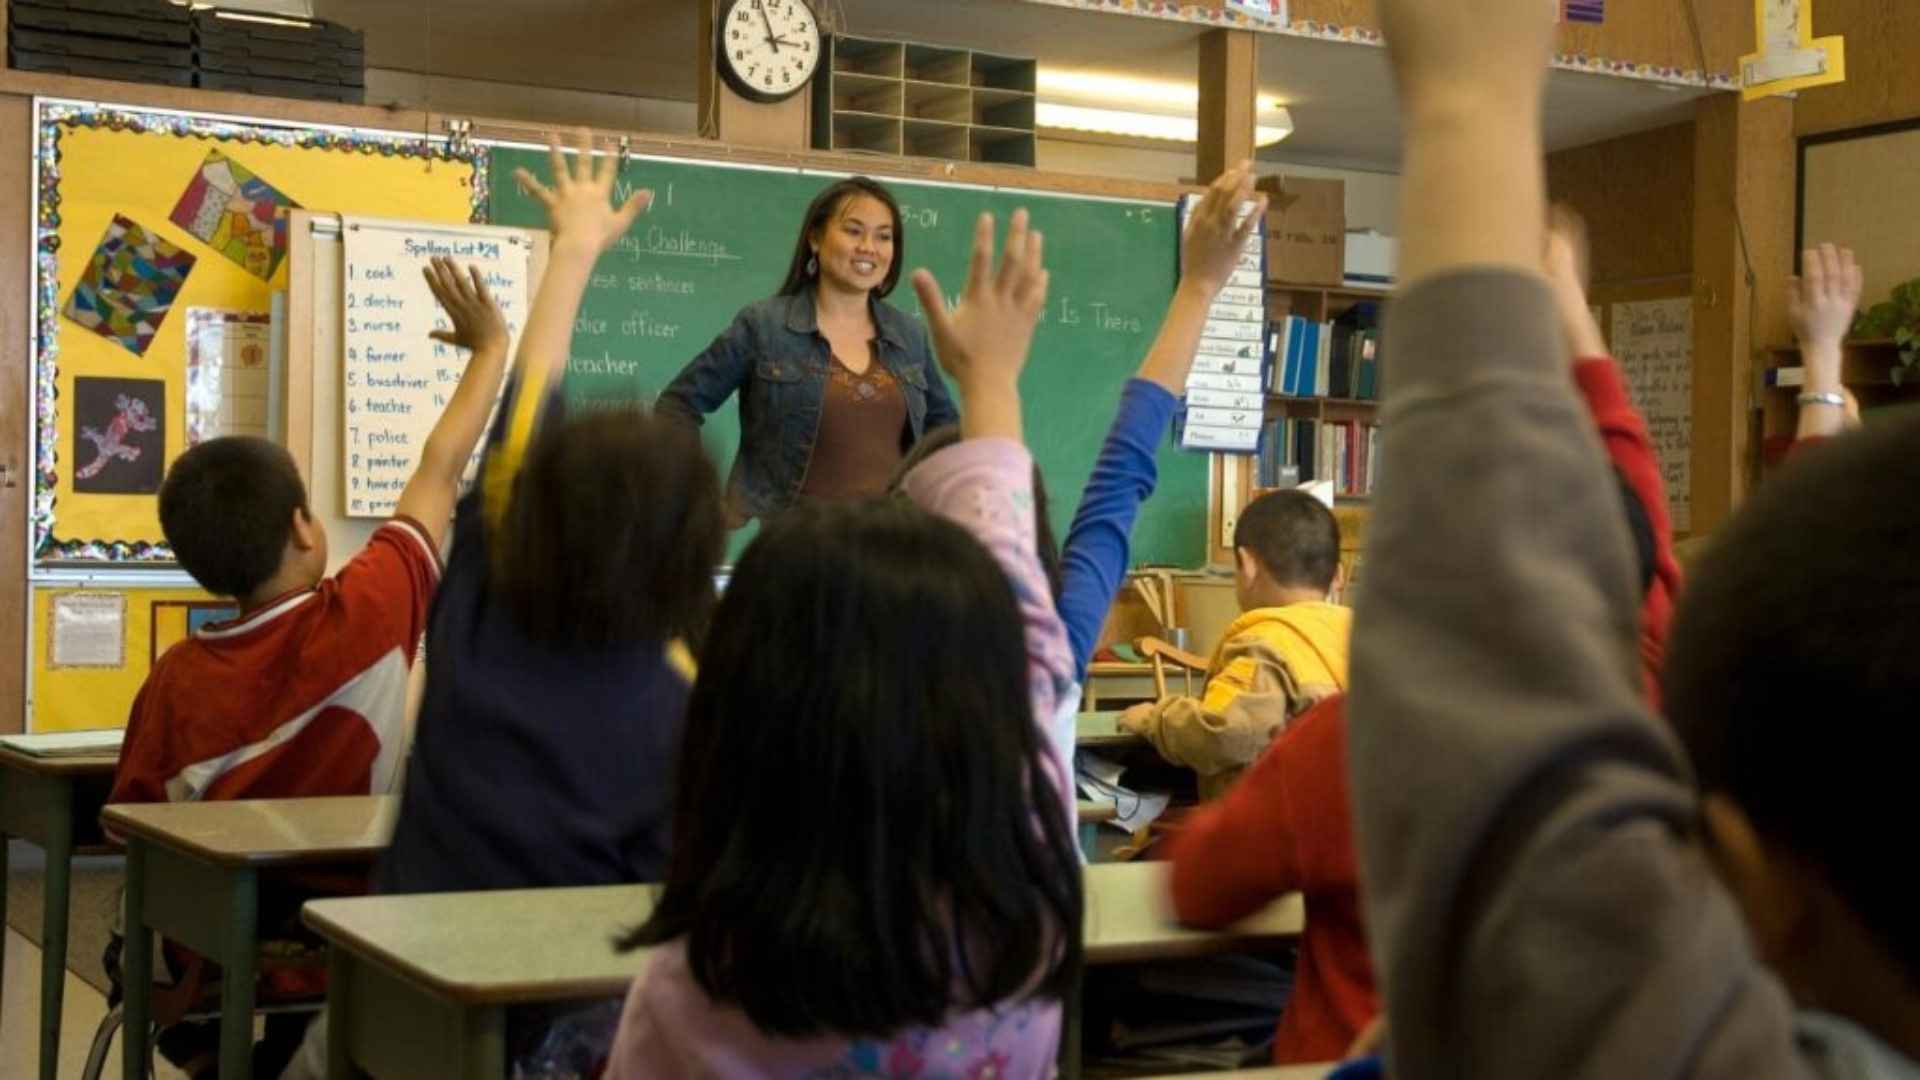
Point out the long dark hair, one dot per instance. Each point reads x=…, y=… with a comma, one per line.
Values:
x=612, y=533
x=824, y=208
x=866, y=836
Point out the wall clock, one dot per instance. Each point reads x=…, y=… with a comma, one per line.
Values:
x=768, y=50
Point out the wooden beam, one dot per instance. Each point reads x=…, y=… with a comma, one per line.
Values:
x=16, y=457
x=1744, y=168
x=1229, y=79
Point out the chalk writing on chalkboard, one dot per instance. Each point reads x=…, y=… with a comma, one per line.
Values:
x=1653, y=341
x=396, y=379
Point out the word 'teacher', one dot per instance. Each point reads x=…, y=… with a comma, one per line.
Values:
x=396, y=379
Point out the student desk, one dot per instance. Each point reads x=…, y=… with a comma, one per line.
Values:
x=54, y=802
x=420, y=985
x=1101, y=731
x=1117, y=679
x=1274, y=1072
x=193, y=875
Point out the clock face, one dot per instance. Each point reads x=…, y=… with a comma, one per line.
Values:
x=768, y=49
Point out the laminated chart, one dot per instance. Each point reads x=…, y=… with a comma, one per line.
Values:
x=1226, y=388
x=396, y=380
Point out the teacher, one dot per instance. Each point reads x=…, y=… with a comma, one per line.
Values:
x=835, y=383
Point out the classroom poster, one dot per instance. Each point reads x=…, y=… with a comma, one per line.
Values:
x=116, y=272
x=227, y=377
x=1653, y=340
x=397, y=378
x=119, y=439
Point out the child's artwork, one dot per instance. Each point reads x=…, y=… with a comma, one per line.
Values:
x=129, y=285
x=227, y=378
x=237, y=214
x=119, y=442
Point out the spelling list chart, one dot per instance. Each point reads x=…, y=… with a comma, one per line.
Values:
x=396, y=379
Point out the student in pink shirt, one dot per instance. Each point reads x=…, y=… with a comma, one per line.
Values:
x=873, y=868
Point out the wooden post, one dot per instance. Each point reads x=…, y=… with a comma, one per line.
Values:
x=1744, y=169
x=1229, y=80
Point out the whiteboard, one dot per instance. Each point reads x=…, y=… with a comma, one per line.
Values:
x=396, y=380
x=1859, y=189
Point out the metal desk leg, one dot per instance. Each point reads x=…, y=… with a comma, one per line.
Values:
x=339, y=1016
x=53, y=920
x=236, y=976
x=6, y=875
x=485, y=1042
x=136, y=965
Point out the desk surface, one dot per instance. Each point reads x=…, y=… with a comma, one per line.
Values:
x=1128, y=919
x=520, y=946
x=75, y=765
x=1101, y=730
x=263, y=832
x=1274, y=1072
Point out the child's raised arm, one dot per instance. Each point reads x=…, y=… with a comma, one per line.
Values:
x=985, y=482
x=478, y=326
x=1821, y=302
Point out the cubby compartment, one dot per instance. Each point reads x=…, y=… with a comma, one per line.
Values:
x=931, y=63
x=1005, y=72
x=863, y=56
x=1002, y=146
x=939, y=101
x=931, y=139
x=867, y=94
x=1003, y=109
x=925, y=100
x=860, y=131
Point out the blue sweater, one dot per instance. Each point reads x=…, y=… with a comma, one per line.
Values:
x=533, y=765
x=1095, y=556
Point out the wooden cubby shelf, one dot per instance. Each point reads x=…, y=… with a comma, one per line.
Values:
x=946, y=104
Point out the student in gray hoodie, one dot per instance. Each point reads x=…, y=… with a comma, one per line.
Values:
x=1548, y=891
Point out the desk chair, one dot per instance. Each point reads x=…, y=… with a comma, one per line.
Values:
x=195, y=998
x=1160, y=653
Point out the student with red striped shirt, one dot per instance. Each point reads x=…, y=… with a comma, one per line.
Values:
x=305, y=692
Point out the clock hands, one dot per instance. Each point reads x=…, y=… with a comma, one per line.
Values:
x=772, y=39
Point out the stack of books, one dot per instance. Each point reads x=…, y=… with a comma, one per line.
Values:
x=1301, y=449
x=1329, y=360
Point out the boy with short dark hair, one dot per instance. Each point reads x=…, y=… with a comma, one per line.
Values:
x=1542, y=896
x=305, y=692
x=1286, y=651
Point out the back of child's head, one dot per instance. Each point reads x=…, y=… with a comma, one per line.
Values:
x=1294, y=537
x=612, y=533
x=865, y=835
x=938, y=439
x=227, y=509
x=1793, y=671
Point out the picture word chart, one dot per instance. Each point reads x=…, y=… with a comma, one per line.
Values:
x=1226, y=389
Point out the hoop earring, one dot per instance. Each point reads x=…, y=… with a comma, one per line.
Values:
x=813, y=265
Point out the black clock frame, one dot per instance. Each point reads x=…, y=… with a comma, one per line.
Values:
x=740, y=85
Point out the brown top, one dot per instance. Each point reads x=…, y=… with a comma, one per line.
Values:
x=58, y=765
x=256, y=832
x=520, y=946
x=858, y=444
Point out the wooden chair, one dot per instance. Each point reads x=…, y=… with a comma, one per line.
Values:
x=1161, y=653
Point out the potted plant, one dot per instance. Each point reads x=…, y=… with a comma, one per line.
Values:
x=1896, y=319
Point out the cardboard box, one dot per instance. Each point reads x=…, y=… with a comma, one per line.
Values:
x=1306, y=230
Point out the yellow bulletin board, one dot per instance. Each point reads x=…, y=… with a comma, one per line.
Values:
x=80, y=697
x=126, y=208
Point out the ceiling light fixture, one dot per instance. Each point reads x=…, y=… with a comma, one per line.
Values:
x=1121, y=105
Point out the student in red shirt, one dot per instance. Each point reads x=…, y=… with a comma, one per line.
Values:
x=305, y=692
x=1287, y=825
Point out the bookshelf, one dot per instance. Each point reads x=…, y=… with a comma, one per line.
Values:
x=1866, y=369
x=912, y=100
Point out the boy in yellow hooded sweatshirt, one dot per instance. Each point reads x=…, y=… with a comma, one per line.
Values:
x=1286, y=651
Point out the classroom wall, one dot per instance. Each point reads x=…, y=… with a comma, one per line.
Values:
x=1883, y=80
x=1636, y=193
x=1373, y=199
x=458, y=96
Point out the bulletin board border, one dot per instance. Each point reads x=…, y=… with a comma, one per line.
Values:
x=55, y=116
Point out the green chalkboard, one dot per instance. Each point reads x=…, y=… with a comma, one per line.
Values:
x=719, y=237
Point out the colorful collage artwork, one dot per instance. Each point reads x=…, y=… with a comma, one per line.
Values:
x=130, y=284
x=237, y=214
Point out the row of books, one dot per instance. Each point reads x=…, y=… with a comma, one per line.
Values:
x=1332, y=359
x=1299, y=450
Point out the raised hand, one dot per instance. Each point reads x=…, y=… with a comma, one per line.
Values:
x=478, y=323
x=982, y=342
x=1479, y=55
x=1821, y=301
x=579, y=204
x=1216, y=235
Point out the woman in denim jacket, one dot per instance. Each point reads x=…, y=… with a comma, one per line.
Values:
x=835, y=384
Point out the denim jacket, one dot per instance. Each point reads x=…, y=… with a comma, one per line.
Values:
x=776, y=357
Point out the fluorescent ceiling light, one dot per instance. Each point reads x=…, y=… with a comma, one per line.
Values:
x=1143, y=125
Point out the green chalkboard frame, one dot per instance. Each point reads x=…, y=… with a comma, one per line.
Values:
x=719, y=237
